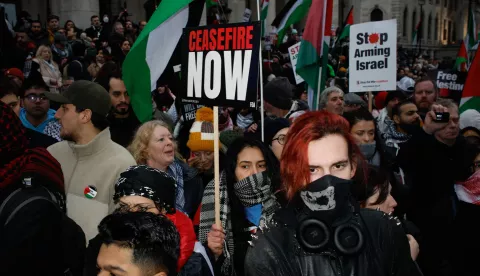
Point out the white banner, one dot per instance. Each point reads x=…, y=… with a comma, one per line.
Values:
x=373, y=56
x=293, y=52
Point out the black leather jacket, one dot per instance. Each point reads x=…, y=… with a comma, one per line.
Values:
x=277, y=252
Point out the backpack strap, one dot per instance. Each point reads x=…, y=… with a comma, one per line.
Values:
x=14, y=212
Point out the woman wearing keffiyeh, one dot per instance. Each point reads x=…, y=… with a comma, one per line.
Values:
x=247, y=201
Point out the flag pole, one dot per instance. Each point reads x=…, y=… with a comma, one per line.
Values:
x=260, y=63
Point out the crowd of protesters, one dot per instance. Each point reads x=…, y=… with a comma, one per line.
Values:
x=87, y=189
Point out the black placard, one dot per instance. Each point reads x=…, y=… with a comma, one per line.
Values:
x=449, y=83
x=220, y=65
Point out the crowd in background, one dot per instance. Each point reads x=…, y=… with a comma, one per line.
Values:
x=87, y=188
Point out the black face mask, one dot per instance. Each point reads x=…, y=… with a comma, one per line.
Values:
x=327, y=198
x=326, y=219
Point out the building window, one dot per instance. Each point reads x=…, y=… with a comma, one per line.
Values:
x=445, y=30
x=421, y=27
x=449, y=33
x=405, y=19
x=414, y=21
x=445, y=3
x=429, y=25
x=376, y=15
x=454, y=32
x=436, y=27
x=437, y=2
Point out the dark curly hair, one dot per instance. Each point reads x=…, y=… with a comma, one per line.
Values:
x=153, y=239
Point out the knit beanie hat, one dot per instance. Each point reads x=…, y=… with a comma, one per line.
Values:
x=272, y=127
x=147, y=182
x=201, y=133
x=228, y=136
x=279, y=93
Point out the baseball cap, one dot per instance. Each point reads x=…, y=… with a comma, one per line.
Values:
x=84, y=95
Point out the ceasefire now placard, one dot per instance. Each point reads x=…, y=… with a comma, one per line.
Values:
x=220, y=65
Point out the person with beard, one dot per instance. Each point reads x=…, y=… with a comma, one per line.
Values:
x=433, y=160
x=122, y=119
x=34, y=229
x=36, y=112
x=37, y=34
x=425, y=94
x=278, y=100
x=385, y=116
x=322, y=230
x=91, y=161
x=406, y=121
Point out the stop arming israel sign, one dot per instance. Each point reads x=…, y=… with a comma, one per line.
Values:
x=220, y=65
x=373, y=56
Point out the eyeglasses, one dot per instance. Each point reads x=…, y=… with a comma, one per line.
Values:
x=280, y=139
x=34, y=97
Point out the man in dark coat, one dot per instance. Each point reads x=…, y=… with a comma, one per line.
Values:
x=432, y=160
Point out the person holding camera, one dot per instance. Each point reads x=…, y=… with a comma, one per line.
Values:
x=432, y=160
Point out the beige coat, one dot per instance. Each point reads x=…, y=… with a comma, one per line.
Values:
x=98, y=164
x=49, y=74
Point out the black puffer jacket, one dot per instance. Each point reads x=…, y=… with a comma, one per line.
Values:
x=386, y=252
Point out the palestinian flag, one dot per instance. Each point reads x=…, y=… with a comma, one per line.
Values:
x=415, y=33
x=263, y=16
x=471, y=93
x=461, y=64
x=471, y=37
x=211, y=3
x=346, y=25
x=316, y=39
x=152, y=51
x=293, y=12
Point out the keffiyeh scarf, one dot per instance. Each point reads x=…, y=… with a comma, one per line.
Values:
x=176, y=171
x=253, y=190
x=469, y=191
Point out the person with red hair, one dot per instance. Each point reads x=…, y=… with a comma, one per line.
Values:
x=322, y=230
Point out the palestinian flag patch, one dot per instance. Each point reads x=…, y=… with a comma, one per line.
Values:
x=90, y=192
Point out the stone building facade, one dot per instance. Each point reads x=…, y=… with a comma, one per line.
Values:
x=444, y=22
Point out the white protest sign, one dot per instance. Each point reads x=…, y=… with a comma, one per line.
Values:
x=293, y=52
x=246, y=15
x=373, y=56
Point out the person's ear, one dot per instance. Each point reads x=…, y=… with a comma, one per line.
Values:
x=396, y=119
x=86, y=116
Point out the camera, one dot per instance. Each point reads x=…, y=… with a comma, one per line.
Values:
x=442, y=117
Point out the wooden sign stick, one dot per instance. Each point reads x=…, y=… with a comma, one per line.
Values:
x=216, y=165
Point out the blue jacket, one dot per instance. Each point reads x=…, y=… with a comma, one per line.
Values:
x=40, y=127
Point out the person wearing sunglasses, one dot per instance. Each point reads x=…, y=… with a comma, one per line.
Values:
x=36, y=112
x=275, y=135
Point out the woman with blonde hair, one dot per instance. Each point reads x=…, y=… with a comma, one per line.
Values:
x=153, y=145
x=48, y=68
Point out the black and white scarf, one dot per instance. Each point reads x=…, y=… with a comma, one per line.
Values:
x=253, y=190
